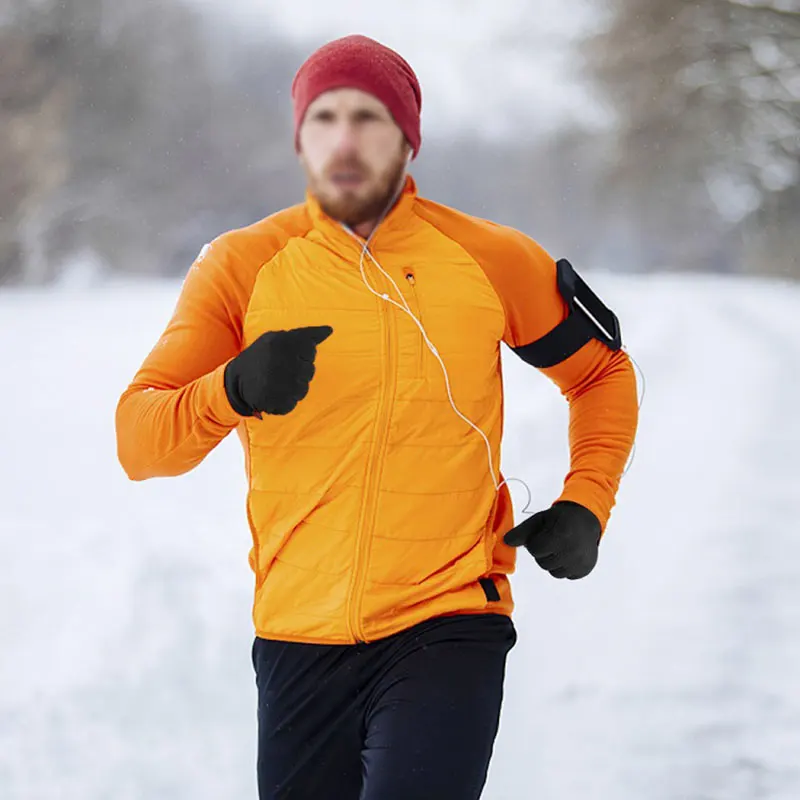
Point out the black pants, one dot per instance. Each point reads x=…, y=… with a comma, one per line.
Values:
x=413, y=716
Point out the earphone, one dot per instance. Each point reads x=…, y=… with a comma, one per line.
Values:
x=365, y=251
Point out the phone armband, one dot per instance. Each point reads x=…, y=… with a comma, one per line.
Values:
x=589, y=318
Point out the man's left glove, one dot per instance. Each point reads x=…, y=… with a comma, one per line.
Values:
x=564, y=539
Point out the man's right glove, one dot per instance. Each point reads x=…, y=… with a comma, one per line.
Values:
x=273, y=373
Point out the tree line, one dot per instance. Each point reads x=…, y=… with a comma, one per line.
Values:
x=132, y=134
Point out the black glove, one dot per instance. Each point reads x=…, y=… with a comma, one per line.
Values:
x=272, y=374
x=564, y=539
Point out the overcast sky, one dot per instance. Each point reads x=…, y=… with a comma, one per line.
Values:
x=469, y=76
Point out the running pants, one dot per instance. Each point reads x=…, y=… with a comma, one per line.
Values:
x=413, y=716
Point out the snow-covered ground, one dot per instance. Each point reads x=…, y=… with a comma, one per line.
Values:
x=671, y=673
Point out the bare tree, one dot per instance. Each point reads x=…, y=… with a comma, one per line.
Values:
x=34, y=101
x=126, y=138
x=707, y=96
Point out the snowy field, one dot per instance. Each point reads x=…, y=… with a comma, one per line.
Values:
x=671, y=673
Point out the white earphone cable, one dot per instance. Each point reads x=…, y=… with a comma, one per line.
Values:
x=365, y=251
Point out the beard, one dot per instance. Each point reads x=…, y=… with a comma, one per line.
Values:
x=364, y=203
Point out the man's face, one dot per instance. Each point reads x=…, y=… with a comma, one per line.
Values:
x=354, y=155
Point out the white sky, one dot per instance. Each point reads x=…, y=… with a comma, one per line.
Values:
x=469, y=75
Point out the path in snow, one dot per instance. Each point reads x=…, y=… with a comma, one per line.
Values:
x=670, y=673
x=673, y=671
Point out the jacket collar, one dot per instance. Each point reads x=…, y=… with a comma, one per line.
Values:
x=394, y=223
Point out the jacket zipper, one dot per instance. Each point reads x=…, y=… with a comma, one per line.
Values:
x=417, y=309
x=374, y=470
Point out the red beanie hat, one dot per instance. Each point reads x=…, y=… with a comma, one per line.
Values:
x=357, y=62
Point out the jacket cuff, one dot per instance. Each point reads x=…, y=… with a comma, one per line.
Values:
x=219, y=409
x=591, y=496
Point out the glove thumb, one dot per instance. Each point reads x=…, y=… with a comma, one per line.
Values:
x=527, y=529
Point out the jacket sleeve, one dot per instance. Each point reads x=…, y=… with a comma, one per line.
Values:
x=175, y=411
x=598, y=383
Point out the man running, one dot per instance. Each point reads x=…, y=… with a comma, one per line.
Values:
x=353, y=342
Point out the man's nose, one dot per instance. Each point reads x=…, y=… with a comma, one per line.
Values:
x=345, y=138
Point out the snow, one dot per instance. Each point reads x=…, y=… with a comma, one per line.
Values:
x=673, y=671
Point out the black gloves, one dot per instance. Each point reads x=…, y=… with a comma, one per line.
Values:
x=272, y=374
x=563, y=539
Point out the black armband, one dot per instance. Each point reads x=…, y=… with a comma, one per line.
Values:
x=588, y=319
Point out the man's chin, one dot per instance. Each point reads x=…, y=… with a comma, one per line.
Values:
x=348, y=207
x=357, y=205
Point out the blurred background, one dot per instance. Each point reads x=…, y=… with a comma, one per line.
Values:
x=626, y=135
x=654, y=144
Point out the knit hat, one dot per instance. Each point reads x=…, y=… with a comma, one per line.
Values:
x=358, y=62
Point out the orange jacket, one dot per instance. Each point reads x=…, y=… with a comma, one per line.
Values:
x=371, y=505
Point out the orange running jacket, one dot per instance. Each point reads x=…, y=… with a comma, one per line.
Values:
x=371, y=504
